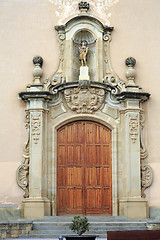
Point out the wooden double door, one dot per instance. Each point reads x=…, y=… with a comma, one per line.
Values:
x=84, y=169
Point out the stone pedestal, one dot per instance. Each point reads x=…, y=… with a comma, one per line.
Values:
x=84, y=73
x=134, y=208
x=35, y=208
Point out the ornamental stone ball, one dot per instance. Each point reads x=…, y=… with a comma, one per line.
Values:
x=130, y=62
x=37, y=71
x=38, y=60
x=130, y=73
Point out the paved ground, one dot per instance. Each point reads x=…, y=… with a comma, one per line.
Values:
x=44, y=238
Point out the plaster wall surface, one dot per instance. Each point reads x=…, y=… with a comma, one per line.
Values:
x=27, y=29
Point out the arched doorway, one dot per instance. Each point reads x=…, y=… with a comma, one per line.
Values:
x=84, y=176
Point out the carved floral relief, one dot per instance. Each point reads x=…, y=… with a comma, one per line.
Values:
x=35, y=126
x=133, y=128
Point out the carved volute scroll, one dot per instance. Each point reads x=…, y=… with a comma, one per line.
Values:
x=146, y=170
x=22, y=174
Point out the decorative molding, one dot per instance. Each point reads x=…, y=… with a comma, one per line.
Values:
x=146, y=170
x=22, y=174
x=35, y=126
x=68, y=8
x=84, y=99
x=133, y=127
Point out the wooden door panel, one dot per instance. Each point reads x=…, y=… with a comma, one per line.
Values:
x=62, y=154
x=84, y=180
x=98, y=154
x=78, y=154
x=106, y=155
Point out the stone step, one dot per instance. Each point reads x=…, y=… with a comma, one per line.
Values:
x=92, y=232
x=44, y=236
x=92, y=218
x=95, y=225
x=53, y=227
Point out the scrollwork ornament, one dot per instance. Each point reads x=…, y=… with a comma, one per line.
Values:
x=105, y=37
x=22, y=174
x=146, y=170
x=62, y=36
x=146, y=178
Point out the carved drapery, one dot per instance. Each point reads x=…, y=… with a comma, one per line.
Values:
x=146, y=170
x=22, y=175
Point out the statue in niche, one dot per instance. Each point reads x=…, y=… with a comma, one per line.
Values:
x=83, y=50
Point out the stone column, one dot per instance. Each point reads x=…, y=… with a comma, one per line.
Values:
x=36, y=206
x=131, y=204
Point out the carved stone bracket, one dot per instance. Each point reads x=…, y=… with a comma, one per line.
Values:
x=146, y=170
x=22, y=174
x=84, y=100
x=133, y=128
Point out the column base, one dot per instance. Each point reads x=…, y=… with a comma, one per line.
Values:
x=134, y=208
x=35, y=208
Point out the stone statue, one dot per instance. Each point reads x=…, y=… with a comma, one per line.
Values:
x=83, y=50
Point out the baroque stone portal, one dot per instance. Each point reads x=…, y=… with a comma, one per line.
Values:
x=84, y=98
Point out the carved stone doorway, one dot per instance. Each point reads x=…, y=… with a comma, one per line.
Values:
x=84, y=181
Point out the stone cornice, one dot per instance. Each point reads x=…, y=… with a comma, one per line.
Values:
x=133, y=95
x=83, y=84
x=26, y=96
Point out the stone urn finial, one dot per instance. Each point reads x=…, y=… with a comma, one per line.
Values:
x=83, y=7
x=37, y=71
x=130, y=73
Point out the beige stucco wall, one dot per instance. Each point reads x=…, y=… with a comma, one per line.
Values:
x=27, y=29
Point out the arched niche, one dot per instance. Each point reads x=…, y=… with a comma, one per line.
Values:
x=84, y=35
x=70, y=35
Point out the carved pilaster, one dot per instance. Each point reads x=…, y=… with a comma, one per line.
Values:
x=22, y=175
x=146, y=170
